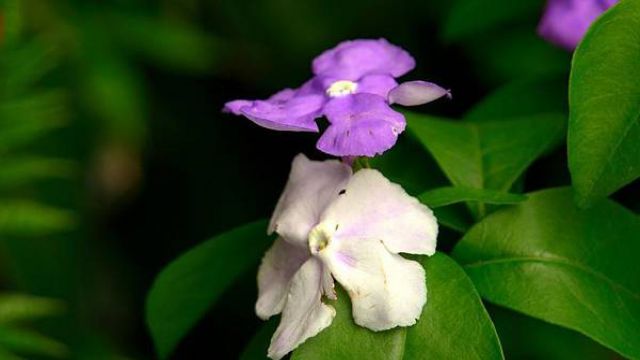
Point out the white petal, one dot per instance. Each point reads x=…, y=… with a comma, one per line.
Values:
x=412, y=93
x=311, y=187
x=372, y=207
x=386, y=290
x=304, y=314
x=278, y=266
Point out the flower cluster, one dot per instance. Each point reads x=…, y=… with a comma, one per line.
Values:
x=333, y=224
x=353, y=86
x=565, y=22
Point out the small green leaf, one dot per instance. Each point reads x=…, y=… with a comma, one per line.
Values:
x=454, y=325
x=27, y=218
x=604, y=99
x=186, y=288
x=451, y=195
x=487, y=155
x=575, y=268
x=18, y=307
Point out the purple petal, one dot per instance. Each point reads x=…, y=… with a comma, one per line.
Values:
x=376, y=84
x=287, y=110
x=361, y=125
x=565, y=22
x=412, y=93
x=351, y=60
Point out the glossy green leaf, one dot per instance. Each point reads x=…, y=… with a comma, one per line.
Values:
x=453, y=325
x=469, y=17
x=487, y=155
x=453, y=194
x=604, y=94
x=186, y=288
x=522, y=98
x=454, y=217
x=570, y=267
x=27, y=218
x=18, y=307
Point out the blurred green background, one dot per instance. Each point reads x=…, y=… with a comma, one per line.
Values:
x=115, y=156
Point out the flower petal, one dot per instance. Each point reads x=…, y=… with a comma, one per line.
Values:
x=287, y=110
x=386, y=290
x=304, y=314
x=351, y=60
x=373, y=207
x=361, y=125
x=278, y=266
x=376, y=84
x=312, y=185
x=565, y=22
x=413, y=93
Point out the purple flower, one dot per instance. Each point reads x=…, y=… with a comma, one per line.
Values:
x=353, y=86
x=565, y=22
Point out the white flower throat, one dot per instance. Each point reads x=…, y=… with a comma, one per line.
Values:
x=342, y=88
x=320, y=237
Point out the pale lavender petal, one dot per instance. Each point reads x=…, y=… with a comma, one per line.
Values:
x=565, y=22
x=304, y=314
x=311, y=187
x=413, y=93
x=376, y=84
x=351, y=60
x=295, y=114
x=386, y=290
x=373, y=207
x=278, y=266
x=235, y=106
x=361, y=125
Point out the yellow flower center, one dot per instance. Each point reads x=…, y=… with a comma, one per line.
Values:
x=342, y=88
x=319, y=238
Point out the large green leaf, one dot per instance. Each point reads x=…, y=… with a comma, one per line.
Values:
x=452, y=194
x=604, y=98
x=575, y=268
x=453, y=325
x=487, y=155
x=186, y=288
x=522, y=98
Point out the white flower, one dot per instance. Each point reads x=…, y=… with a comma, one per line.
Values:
x=336, y=224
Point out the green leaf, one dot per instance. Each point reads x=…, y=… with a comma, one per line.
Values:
x=16, y=171
x=522, y=98
x=516, y=53
x=27, y=218
x=454, y=217
x=469, y=17
x=18, y=307
x=604, y=99
x=487, y=155
x=257, y=347
x=575, y=268
x=453, y=325
x=452, y=194
x=186, y=288
x=29, y=342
